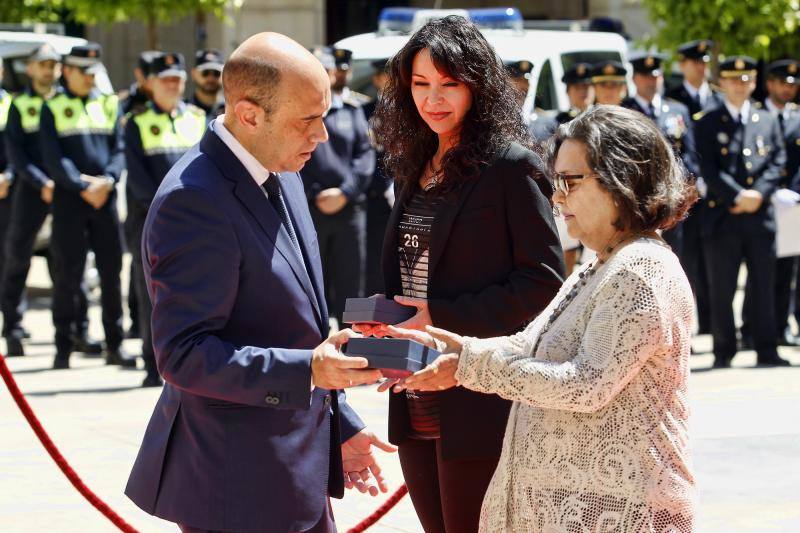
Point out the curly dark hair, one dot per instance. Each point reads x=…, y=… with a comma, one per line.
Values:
x=634, y=162
x=458, y=48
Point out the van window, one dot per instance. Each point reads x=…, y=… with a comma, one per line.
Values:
x=545, y=88
x=361, y=80
x=595, y=56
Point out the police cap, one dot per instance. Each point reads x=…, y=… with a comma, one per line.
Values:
x=578, y=73
x=787, y=70
x=169, y=64
x=86, y=57
x=325, y=56
x=380, y=64
x=741, y=67
x=209, y=59
x=699, y=50
x=647, y=63
x=146, y=60
x=608, y=70
x=519, y=69
x=44, y=53
x=343, y=58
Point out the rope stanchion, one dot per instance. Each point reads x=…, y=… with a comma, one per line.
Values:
x=387, y=506
x=62, y=463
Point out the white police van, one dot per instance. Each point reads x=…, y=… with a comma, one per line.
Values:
x=551, y=52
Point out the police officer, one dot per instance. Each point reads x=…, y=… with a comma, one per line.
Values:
x=671, y=116
x=380, y=194
x=207, y=77
x=6, y=190
x=609, y=82
x=343, y=74
x=695, y=92
x=540, y=125
x=138, y=94
x=580, y=91
x=81, y=143
x=336, y=179
x=155, y=138
x=742, y=154
x=782, y=89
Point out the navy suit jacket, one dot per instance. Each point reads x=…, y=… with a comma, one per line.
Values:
x=238, y=441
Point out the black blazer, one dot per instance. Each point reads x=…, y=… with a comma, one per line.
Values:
x=495, y=263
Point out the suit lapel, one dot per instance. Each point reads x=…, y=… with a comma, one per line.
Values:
x=443, y=223
x=255, y=201
x=389, y=252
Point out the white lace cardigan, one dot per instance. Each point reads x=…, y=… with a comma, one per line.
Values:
x=597, y=439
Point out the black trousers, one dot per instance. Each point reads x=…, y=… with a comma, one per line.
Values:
x=378, y=212
x=724, y=254
x=5, y=218
x=76, y=228
x=342, y=247
x=694, y=264
x=785, y=297
x=135, y=225
x=447, y=495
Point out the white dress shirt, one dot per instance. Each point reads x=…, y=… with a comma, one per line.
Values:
x=735, y=112
x=256, y=169
x=644, y=104
x=704, y=92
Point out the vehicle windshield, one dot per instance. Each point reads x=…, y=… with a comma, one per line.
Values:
x=595, y=56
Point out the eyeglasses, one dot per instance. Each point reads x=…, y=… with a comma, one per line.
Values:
x=561, y=181
x=210, y=72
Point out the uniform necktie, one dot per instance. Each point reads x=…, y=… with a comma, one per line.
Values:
x=273, y=188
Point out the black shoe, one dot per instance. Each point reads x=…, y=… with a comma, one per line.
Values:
x=14, y=346
x=746, y=343
x=772, y=361
x=119, y=357
x=787, y=339
x=721, y=362
x=61, y=361
x=24, y=332
x=152, y=380
x=82, y=343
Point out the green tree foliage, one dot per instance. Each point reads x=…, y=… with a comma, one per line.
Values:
x=764, y=29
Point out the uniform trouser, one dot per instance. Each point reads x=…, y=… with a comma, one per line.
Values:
x=77, y=227
x=694, y=263
x=378, y=212
x=134, y=226
x=133, y=310
x=785, y=300
x=724, y=254
x=342, y=247
x=5, y=218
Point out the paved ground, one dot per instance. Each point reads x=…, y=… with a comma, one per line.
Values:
x=746, y=440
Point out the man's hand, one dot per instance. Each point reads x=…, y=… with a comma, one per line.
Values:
x=331, y=201
x=47, y=191
x=5, y=185
x=361, y=470
x=98, y=191
x=749, y=201
x=330, y=369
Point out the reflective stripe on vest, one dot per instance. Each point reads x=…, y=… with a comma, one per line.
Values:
x=30, y=111
x=5, y=105
x=72, y=117
x=160, y=135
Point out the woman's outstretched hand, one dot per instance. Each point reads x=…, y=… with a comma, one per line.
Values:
x=440, y=374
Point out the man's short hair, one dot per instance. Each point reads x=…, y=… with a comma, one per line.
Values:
x=251, y=78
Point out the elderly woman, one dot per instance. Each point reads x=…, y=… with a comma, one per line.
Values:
x=597, y=438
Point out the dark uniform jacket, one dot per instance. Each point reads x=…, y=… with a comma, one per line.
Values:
x=680, y=94
x=791, y=135
x=5, y=108
x=380, y=181
x=347, y=160
x=22, y=133
x=675, y=123
x=81, y=136
x=734, y=157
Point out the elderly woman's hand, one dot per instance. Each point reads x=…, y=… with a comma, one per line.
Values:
x=440, y=374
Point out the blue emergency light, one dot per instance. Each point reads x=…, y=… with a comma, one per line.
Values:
x=401, y=19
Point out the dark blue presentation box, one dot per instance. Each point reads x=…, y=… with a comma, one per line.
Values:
x=376, y=311
x=395, y=357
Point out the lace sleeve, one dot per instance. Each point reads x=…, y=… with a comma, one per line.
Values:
x=624, y=329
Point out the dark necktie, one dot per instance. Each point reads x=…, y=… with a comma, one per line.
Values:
x=273, y=188
x=651, y=111
x=780, y=121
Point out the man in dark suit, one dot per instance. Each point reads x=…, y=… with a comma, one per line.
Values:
x=250, y=432
x=696, y=94
x=742, y=154
x=672, y=118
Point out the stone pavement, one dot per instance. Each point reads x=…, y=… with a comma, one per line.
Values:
x=746, y=431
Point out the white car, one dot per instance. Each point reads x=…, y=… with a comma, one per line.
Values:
x=551, y=52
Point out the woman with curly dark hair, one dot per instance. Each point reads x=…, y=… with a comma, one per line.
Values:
x=471, y=243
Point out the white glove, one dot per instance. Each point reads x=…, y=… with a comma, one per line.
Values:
x=389, y=195
x=702, y=188
x=785, y=198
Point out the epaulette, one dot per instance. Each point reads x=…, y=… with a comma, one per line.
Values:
x=758, y=105
x=191, y=108
x=356, y=99
x=698, y=115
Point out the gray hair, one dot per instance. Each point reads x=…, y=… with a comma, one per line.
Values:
x=634, y=162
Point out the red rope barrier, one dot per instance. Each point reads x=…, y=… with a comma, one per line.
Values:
x=380, y=511
x=62, y=463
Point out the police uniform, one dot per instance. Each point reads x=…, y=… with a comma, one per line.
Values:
x=540, y=124
x=5, y=203
x=696, y=100
x=135, y=98
x=673, y=119
x=154, y=141
x=347, y=162
x=379, y=207
x=608, y=70
x=208, y=59
x=740, y=151
x=83, y=136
